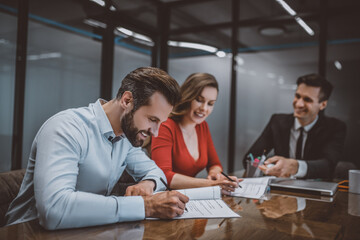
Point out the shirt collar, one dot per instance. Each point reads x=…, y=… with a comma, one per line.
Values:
x=104, y=123
x=308, y=127
x=101, y=118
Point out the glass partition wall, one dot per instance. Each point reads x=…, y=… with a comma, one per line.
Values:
x=64, y=59
x=62, y=72
x=8, y=25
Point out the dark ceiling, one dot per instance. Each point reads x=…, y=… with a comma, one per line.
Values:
x=207, y=21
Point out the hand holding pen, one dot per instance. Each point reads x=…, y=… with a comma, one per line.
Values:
x=168, y=188
x=165, y=205
x=230, y=179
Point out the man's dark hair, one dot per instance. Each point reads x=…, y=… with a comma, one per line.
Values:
x=315, y=80
x=145, y=81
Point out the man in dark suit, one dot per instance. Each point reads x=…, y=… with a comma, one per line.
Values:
x=307, y=144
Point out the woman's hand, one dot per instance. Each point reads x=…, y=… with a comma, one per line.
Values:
x=215, y=173
x=226, y=186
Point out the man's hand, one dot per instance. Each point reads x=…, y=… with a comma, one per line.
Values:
x=284, y=167
x=143, y=188
x=167, y=204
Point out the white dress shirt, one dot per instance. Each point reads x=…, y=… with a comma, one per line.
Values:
x=294, y=135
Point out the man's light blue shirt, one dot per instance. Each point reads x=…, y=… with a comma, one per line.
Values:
x=72, y=170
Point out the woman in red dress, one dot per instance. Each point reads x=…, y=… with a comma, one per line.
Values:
x=184, y=146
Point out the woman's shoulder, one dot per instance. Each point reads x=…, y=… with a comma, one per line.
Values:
x=170, y=124
x=203, y=126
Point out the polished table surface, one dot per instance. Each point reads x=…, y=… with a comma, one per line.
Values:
x=276, y=218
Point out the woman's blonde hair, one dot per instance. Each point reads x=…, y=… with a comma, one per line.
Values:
x=190, y=90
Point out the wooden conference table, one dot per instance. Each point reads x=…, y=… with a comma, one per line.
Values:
x=275, y=218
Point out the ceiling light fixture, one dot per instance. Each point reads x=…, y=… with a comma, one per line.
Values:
x=199, y=46
x=338, y=65
x=125, y=31
x=94, y=23
x=135, y=35
x=286, y=7
x=272, y=30
x=305, y=26
x=99, y=2
x=220, y=54
x=149, y=42
x=297, y=18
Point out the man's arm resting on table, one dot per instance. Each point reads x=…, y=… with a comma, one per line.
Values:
x=143, y=188
x=142, y=168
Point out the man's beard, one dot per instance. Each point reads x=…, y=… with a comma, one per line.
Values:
x=128, y=127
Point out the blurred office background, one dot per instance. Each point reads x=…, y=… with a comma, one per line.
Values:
x=71, y=52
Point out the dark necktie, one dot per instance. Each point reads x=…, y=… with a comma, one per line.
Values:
x=299, y=144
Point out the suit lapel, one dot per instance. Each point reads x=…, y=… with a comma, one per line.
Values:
x=314, y=131
x=285, y=131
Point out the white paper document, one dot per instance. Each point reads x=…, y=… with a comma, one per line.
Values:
x=202, y=193
x=210, y=208
x=205, y=203
x=252, y=187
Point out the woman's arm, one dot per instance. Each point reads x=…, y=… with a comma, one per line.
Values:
x=180, y=181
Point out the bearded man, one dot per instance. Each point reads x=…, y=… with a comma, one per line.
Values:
x=78, y=155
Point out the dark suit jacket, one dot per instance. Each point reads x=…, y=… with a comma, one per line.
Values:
x=323, y=147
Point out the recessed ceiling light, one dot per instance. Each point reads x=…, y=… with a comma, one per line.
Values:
x=272, y=30
x=221, y=54
x=338, y=65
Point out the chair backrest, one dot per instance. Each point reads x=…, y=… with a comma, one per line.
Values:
x=125, y=181
x=10, y=183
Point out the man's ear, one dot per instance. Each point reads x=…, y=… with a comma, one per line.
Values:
x=126, y=101
x=323, y=105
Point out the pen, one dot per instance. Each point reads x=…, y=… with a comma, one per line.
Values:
x=168, y=188
x=231, y=180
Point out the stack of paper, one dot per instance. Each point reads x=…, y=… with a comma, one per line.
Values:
x=252, y=187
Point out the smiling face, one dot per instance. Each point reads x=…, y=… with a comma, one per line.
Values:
x=306, y=103
x=146, y=120
x=202, y=106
